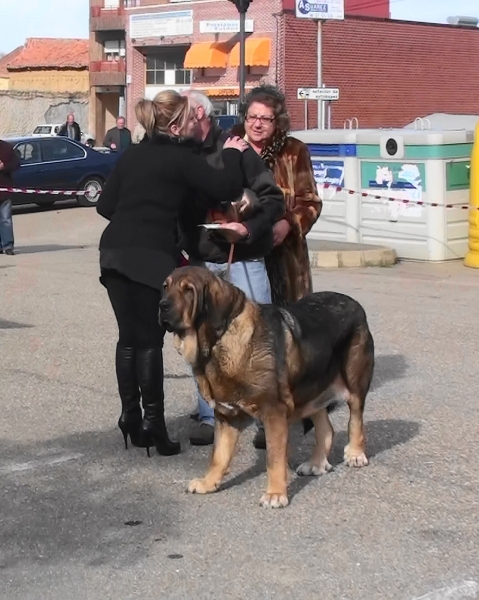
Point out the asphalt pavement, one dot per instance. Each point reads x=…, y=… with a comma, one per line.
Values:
x=83, y=519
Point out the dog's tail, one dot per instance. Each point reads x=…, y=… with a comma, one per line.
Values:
x=308, y=423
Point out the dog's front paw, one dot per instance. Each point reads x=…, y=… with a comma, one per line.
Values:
x=308, y=469
x=354, y=457
x=201, y=486
x=274, y=501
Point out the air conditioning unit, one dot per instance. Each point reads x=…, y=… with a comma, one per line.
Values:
x=391, y=146
x=464, y=21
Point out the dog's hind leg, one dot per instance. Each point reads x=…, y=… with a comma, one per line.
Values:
x=318, y=463
x=226, y=438
x=358, y=375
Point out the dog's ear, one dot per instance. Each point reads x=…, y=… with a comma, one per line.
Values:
x=194, y=301
x=222, y=302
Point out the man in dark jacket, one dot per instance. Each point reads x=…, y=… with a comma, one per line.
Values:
x=253, y=238
x=119, y=137
x=9, y=162
x=71, y=129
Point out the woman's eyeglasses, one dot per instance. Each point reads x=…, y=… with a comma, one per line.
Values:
x=264, y=120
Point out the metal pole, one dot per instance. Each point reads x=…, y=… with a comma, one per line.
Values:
x=306, y=114
x=323, y=112
x=320, y=74
x=242, y=73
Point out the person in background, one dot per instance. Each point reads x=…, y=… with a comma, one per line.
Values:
x=9, y=162
x=119, y=137
x=143, y=198
x=252, y=238
x=71, y=129
x=266, y=128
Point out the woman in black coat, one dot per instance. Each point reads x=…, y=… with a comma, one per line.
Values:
x=143, y=198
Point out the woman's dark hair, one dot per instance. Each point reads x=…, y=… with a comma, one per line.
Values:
x=271, y=96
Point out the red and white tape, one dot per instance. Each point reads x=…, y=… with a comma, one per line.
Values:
x=12, y=190
x=325, y=186
x=338, y=189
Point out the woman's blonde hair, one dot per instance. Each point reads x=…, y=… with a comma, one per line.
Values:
x=166, y=109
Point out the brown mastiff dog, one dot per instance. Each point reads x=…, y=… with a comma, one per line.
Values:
x=274, y=364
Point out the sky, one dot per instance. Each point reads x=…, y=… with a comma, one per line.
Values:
x=69, y=18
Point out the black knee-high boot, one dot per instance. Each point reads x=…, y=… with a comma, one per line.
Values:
x=149, y=368
x=130, y=421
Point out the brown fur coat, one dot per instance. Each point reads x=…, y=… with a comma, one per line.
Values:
x=288, y=265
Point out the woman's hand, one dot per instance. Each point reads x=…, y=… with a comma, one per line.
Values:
x=236, y=143
x=280, y=231
x=233, y=232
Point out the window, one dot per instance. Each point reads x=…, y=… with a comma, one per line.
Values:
x=29, y=152
x=225, y=107
x=167, y=69
x=58, y=149
x=114, y=49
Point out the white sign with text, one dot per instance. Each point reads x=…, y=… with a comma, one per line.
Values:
x=319, y=10
x=225, y=26
x=155, y=25
x=326, y=94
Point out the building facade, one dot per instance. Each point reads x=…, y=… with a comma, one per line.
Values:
x=139, y=47
x=387, y=71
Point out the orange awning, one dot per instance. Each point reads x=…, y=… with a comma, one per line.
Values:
x=233, y=92
x=257, y=53
x=206, y=55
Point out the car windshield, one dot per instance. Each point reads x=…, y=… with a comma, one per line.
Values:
x=42, y=129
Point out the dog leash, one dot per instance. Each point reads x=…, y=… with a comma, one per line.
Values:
x=230, y=260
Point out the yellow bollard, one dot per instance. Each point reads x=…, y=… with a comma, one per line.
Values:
x=472, y=257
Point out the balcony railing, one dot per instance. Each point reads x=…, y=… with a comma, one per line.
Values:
x=107, y=19
x=108, y=72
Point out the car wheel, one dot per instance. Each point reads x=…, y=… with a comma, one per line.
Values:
x=92, y=188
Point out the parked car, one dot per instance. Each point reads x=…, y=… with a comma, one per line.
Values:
x=52, y=129
x=58, y=163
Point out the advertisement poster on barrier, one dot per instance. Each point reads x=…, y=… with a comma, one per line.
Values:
x=402, y=180
x=328, y=171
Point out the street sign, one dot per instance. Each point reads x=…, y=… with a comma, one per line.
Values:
x=326, y=94
x=319, y=9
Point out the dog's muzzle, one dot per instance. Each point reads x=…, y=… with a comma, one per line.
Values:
x=165, y=317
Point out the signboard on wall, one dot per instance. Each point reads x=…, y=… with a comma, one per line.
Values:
x=328, y=171
x=225, y=26
x=319, y=9
x=400, y=180
x=165, y=24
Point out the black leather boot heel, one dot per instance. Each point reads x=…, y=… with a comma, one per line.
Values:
x=149, y=368
x=130, y=421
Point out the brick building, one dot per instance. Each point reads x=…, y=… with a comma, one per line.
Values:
x=387, y=71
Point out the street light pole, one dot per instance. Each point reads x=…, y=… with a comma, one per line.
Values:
x=242, y=69
x=242, y=7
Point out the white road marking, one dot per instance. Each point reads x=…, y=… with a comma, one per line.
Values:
x=37, y=464
x=459, y=591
